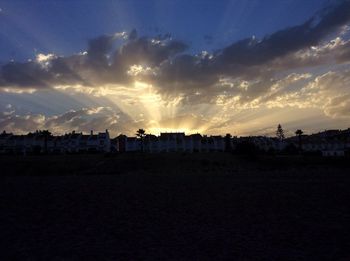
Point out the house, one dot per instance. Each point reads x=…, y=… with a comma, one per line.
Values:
x=166, y=142
x=44, y=142
x=170, y=142
x=151, y=143
x=196, y=142
x=327, y=143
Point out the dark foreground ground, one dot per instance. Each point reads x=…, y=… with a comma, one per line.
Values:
x=174, y=207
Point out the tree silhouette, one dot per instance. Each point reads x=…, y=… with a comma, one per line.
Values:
x=46, y=134
x=141, y=133
x=299, y=133
x=280, y=132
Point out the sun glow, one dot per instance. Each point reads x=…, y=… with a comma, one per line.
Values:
x=158, y=131
x=146, y=108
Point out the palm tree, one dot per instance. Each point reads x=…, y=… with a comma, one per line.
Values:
x=299, y=133
x=141, y=133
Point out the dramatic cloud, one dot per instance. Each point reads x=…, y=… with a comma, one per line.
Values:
x=83, y=120
x=330, y=91
x=106, y=62
x=304, y=66
x=86, y=119
x=100, y=64
x=253, y=52
x=339, y=106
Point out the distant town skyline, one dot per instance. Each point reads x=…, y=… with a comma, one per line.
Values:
x=279, y=133
x=212, y=67
x=329, y=143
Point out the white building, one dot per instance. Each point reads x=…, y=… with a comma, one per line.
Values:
x=170, y=142
x=40, y=142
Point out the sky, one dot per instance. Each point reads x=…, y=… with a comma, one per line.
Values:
x=213, y=67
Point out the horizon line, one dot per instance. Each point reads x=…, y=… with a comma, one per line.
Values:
x=171, y=132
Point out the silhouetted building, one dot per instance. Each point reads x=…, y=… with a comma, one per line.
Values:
x=69, y=143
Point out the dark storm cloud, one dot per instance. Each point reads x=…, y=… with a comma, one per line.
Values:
x=133, y=35
x=101, y=64
x=61, y=70
x=150, y=51
x=252, y=51
x=97, y=50
x=24, y=74
x=187, y=72
x=176, y=72
x=258, y=60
